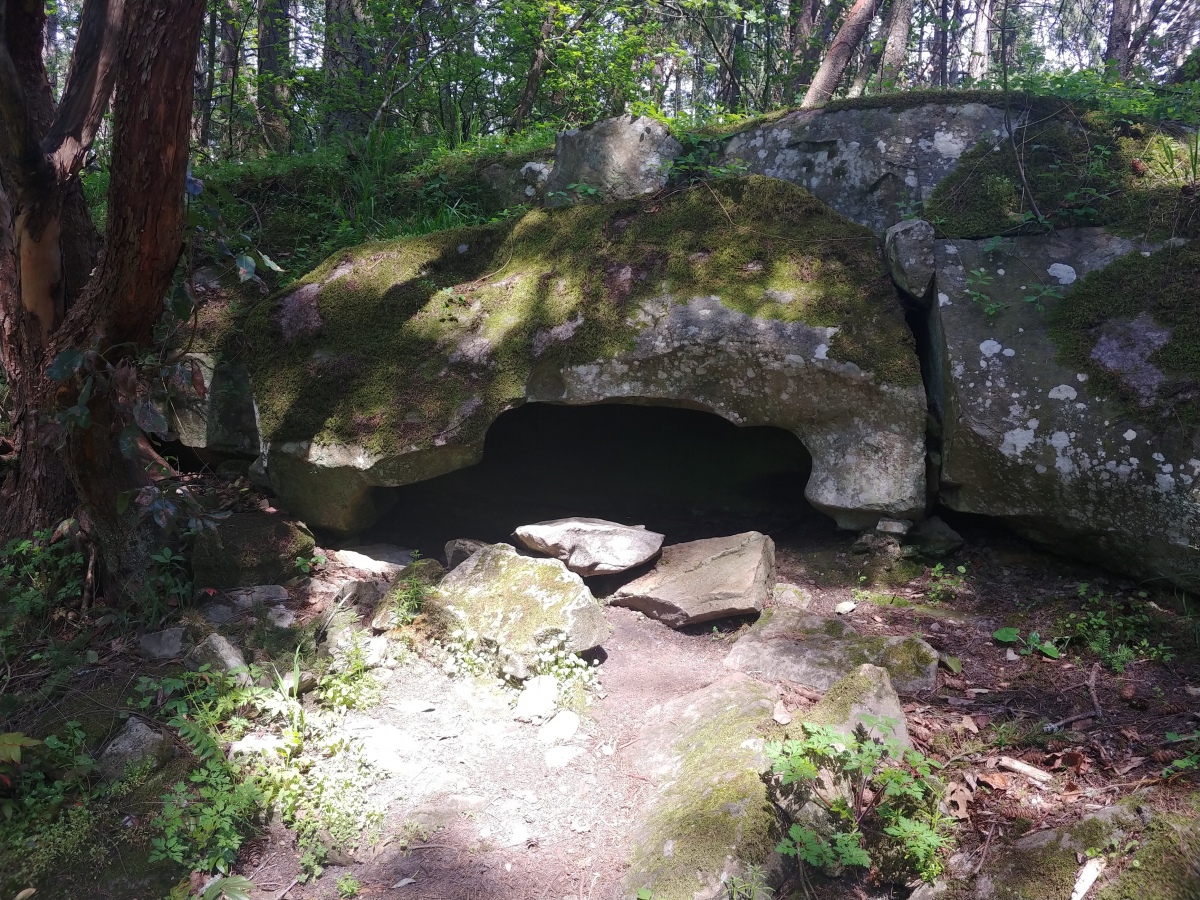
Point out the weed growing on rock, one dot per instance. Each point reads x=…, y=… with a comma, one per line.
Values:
x=875, y=794
x=750, y=886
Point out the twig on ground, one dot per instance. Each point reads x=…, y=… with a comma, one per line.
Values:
x=1092, y=690
x=284, y=892
x=983, y=852
x=1096, y=712
x=1015, y=765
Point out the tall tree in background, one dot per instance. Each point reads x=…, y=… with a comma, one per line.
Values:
x=1120, y=31
x=825, y=82
x=977, y=66
x=349, y=67
x=274, y=65
x=59, y=299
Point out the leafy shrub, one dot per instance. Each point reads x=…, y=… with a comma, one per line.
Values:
x=1118, y=631
x=878, y=795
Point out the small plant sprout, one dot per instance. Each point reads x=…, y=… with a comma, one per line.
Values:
x=1031, y=644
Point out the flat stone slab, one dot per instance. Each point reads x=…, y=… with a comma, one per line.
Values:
x=592, y=546
x=165, y=644
x=788, y=644
x=704, y=580
x=378, y=559
x=137, y=744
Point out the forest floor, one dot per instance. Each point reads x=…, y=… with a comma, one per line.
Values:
x=474, y=805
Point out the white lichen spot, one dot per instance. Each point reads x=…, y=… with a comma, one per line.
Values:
x=463, y=248
x=949, y=145
x=1164, y=482
x=1062, y=392
x=943, y=299
x=999, y=271
x=1081, y=377
x=1009, y=351
x=1017, y=441
x=1064, y=273
x=1129, y=435
x=822, y=351
x=990, y=348
x=1060, y=440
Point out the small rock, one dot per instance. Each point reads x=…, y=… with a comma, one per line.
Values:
x=461, y=549
x=281, y=617
x=253, y=744
x=245, y=598
x=308, y=681
x=781, y=714
x=845, y=607
x=219, y=655
x=560, y=729
x=166, y=644
x=538, y=700
x=592, y=546
x=378, y=559
x=1192, y=690
x=561, y=757
x=134, y=745
x=897, y=527
x=218, y=613
x=934, y=538
x=1011, y=655
x=788, y=594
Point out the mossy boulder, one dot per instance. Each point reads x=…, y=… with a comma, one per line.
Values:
x=872, y=162
x=788, y=644
x=711, y=818
x=248, y=549
x=1168, y=859
x=747, y=298
x=1065, y=371
x=518, y=607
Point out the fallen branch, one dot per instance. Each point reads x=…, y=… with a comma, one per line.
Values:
x=1033, y=772
x=1096, y=713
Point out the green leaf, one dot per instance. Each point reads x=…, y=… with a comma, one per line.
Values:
x=127, y=440
x=65, y=365
x=953, y=663
x=268, y=262
x=1049, y=650
x=1007, y=635
x=245, y=267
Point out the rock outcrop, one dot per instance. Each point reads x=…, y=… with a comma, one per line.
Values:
x=247, y=550
x=788, y=644
x=592, y=546
x=1067, y=426
x=517, y=607
x=870, y=163
x=704, y=580
x=746, y=298
x=711, y=819
x=621, y=158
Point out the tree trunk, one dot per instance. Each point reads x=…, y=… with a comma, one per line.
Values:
x=147, y=49
x=977, y=68
x=825, y=82
x=872, y=57
x=533, y=80
x=274, y=44
x=942, y=41
x=895, y=49
x=349, y=67
x=1120, y=32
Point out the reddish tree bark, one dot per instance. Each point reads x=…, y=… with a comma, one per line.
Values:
x=49, y=303
x=825, y=82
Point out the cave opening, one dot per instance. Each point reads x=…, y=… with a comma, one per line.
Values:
x=682, y=472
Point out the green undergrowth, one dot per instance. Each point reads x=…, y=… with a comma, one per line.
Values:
x=379, y=369
x=1162, y=285
x=1083, y=167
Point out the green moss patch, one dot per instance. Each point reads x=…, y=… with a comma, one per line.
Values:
x=391, y=363
x=1082, y=168
x=714, y=809
x=1167, y=862
x=1163, y=285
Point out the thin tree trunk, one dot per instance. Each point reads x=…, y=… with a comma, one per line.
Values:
x=274, y=43
x=873, y=55
x=210, y=82
x=977, y=68
x=895, y=49
x=825, y=82
x=349, y=67
x=1120, y=32
x=942, y=40
x=533, y=80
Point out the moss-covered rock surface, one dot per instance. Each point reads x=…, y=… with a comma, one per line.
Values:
x=711, y=818
x=747, y=297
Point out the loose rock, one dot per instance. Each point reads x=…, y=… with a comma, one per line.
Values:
x=704, y=580
x=592, y=546
x=166, y=644
x=136, y=744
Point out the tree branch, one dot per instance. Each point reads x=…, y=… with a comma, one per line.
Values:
x=89, y=86
x=20, y=154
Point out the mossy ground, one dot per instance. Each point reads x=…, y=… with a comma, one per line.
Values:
x=1163, y=285
x=379, y=372
x=1168, y=860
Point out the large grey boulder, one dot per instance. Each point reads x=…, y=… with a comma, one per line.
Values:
x=592, y=546
x=864, y=696
x=789, y=644
x=518, y=607
x=1049, y=448
x=219, y=655
x=136, y=745
x=710, y=819
x=704, y=580
x=868, y=164
x=746, y=298
x=622, y=157
x=248, y=549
